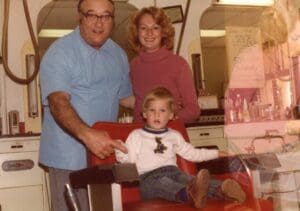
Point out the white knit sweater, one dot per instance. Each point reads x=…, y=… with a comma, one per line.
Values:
x=141, y=145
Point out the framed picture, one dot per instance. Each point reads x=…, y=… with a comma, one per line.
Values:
x=175, y=13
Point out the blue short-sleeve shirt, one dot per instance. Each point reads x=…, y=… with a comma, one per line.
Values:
x=95, y=79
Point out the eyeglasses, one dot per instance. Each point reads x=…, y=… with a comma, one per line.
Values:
x=93, y=18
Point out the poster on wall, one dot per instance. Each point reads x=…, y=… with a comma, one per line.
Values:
x=245, y=58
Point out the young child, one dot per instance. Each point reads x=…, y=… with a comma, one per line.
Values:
x=154, y=148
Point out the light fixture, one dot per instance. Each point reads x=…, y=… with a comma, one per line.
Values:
x=53, y=33
x=245, y=2
x=212, y=33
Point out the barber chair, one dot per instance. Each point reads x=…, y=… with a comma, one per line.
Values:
x=130, y=196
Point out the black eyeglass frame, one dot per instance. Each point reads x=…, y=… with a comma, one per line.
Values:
x=93, y=18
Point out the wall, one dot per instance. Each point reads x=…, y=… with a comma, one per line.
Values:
x=2, y=104
x=215, y=73
x=19, y=44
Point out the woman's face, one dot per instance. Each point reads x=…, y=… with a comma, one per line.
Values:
x=149, y=34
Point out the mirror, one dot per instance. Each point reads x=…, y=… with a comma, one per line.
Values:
x=63, y=15
x=214, y=20
x=247, y=61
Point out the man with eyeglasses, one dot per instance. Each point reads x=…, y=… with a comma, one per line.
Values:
x=84, y=78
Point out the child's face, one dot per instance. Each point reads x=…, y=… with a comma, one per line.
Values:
x=158, y=114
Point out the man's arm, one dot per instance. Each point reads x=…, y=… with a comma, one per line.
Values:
x=128, y=102
x=64, y=114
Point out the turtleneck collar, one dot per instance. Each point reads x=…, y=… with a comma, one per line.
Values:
x=155, y=56
x=150, y=130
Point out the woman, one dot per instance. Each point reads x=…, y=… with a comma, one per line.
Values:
x=152, y=36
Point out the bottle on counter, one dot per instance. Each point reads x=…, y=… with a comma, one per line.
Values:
x=231, y=113
x=246, y=114
x=238, y=107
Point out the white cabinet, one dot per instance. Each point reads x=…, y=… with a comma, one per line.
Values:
x=22, y=181
x=23, y=198
x=208, y=136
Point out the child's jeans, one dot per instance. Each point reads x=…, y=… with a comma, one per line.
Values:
x=167, y=181
x=164, y=182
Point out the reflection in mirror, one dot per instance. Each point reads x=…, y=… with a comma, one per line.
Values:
x=246, y=60
x=62, y=15
x=213, y=44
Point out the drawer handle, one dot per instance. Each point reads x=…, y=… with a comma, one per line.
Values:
x=18, y=146
x=204, y=134
x=17, y=165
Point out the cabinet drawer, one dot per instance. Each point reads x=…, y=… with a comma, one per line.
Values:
x=205, y=133
x=12, y=146
x=219, y=142
x=13, y=175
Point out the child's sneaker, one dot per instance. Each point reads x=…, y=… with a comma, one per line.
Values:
x=198, y=187
x=233, y=191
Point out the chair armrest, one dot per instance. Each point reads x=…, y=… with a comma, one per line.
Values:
x=104, y=174
x=223, y=165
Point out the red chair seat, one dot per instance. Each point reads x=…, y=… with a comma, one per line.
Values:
x=130, y=194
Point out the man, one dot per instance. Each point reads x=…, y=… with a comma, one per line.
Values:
x=84, y=77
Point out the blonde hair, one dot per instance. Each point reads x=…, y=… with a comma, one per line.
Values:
x=290, y=10
x=273, y=27
x=160, y=18
x=159, y=93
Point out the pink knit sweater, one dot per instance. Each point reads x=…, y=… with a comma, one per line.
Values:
x=163, y=68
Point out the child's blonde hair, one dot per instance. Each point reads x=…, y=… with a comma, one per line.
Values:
x=159, y=93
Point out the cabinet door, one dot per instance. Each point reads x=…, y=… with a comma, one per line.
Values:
x=25, y=177
x=27, y=198
x=208, y=136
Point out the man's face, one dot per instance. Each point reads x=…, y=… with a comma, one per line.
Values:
x=96, y=30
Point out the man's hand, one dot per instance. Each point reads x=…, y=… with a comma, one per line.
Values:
x=223, y=154
x=128, y=102
x=65, y=115
x=100, y=143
